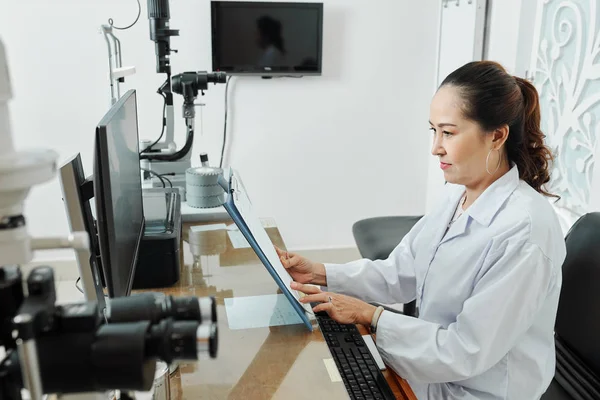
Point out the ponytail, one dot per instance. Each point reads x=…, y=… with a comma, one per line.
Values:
x=532, y=156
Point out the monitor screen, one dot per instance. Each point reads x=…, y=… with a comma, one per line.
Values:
x=267, y=37
x=118, y=194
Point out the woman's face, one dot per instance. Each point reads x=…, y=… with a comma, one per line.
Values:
x=461, y=144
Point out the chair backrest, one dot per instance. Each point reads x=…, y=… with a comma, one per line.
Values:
x=376, y=237
x=578, y=319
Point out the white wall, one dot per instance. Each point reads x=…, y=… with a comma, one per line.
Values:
x=510, y=35
x=460, y=41
x=503, y=36
x=510, y=29
x=316, y=153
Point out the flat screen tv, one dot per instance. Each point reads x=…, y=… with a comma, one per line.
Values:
x=267, y=38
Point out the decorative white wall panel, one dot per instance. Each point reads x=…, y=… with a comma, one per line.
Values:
x=567, y=72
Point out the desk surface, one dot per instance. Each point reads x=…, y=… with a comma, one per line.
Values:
x=284, y=362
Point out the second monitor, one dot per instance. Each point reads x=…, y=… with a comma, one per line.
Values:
x=118, y=194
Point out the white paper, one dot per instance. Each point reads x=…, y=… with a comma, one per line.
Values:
x=259, y=233
x=334, y=373
x=268, y=223
x=374, y=352
x=238, y=240
x=260, y=311
x=205, y=228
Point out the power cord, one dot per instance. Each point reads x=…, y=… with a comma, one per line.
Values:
x=164, y=124
x=77, y=285
x=110, y=20
x=157, y=175
x=225, y=122
x=162, y=177
x=167, y=179
x=80, y=289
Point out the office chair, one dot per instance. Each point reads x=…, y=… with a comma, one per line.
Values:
x=577, y=328
x=377, y=237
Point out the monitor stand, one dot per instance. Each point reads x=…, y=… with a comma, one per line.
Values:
x=158, y=262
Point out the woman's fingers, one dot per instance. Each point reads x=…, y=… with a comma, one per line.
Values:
x=313, y=298
x=307, y=289
x=328, y=307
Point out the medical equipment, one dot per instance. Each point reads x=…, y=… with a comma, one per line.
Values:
x=72, y=348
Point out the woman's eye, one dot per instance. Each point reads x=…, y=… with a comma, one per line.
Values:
x=447, y=133
x=432, y=130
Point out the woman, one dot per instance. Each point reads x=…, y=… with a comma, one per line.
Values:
x=484, y=266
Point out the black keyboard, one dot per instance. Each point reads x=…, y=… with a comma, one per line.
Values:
x=361, y=375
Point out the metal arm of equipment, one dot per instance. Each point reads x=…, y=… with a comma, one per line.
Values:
x=188, y=84
x=117, y=72
x=160, y=33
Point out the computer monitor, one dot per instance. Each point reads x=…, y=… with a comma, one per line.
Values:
x=118, y=194
x=77, y=192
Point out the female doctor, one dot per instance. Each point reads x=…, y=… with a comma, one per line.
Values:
x=484, y=266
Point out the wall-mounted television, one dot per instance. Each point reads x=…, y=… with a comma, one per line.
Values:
x=267, y=38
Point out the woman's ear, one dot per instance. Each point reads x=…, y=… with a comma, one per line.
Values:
x=500, y=136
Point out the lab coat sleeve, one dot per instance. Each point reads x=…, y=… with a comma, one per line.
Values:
x=387, y=281
x=502, y=307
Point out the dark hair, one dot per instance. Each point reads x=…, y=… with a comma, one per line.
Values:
x=270, y=29
x=493, y=98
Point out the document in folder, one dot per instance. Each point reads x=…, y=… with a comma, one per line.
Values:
x=240, y=209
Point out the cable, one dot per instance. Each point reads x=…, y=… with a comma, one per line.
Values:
x=157, y=175
x=225, y=122
x=175, y=156
x=167, y=179
x=77, y=286
x=110, y=20
x=164, y=124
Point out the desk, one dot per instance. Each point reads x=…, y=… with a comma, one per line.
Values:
x=284, y=362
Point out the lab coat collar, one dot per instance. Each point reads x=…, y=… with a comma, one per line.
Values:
x=485, y=208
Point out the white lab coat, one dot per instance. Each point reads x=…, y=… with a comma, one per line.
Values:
x=487, y=292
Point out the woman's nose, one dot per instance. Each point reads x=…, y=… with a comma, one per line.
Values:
x=437, y=148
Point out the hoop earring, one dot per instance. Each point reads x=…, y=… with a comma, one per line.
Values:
x=487, y=159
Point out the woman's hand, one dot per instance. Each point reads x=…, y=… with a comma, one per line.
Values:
x=302, y=269
x=341, y=308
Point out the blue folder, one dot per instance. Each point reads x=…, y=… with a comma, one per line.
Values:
x=232, y=185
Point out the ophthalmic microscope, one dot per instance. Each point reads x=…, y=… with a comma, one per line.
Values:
x=163, y=157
